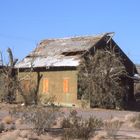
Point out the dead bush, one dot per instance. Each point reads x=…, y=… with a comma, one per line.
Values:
x=7, y=119
x=18, y=122
x=15, y=111
x=84, y=104
x=129, y=117
x=30, y=96
x=136, y=121
x=2, y=127
x=10, y=82
x=29, y=87
x=76, y=127
x=99, y=80
x=46, y=100
x=112, y=127
x=41, y=118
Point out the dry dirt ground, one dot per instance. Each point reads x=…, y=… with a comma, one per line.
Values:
x=20, y=132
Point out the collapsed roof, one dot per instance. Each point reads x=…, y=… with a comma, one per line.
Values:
x=60, y=52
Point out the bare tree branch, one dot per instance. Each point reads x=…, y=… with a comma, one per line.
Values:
x=100, y=79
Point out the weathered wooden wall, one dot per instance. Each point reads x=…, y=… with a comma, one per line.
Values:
x=55, y=85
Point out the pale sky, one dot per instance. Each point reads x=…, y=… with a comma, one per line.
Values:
x=24, y=23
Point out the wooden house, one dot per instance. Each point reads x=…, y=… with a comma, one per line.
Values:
x=56, y=61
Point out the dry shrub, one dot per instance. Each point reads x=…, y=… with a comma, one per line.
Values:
x=10, y=82
x=8, y=120
x=99, y=79
x=18, y=122
x=30, y=96
x=42, y=119
x=76, y=127
x=2, y=127
x=136, y=121
x=16, y=111
x=28, y=90
x=84, y=104
x=24, y=133
x=112, y=127
x=46, y=100
x=129, y=117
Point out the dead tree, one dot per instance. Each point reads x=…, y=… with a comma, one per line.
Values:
x=99, y=79
x=30, y=95
x=9, y=79
x=12, y=84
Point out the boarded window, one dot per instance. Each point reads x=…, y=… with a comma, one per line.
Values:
x=65, y=85
x=45, y=85
x=26, y=84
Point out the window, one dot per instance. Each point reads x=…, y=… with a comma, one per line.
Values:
x=26, y=84
x=45, y=85
x=65, y=85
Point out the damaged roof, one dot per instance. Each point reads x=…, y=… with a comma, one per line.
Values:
x=60, y=52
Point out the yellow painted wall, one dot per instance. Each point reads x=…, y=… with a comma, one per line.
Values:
x=55, y=85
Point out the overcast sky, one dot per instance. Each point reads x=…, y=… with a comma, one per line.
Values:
x=24, y=23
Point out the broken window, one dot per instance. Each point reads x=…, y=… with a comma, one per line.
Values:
x=65, y=85
x=45, y=85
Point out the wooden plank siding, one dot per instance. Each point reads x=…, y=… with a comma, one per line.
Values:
x=61, y=84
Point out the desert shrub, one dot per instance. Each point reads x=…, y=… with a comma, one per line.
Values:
x=28, y=90
x=16, y=111
x=10, y=82
x=112, y=127
x=13, y=127
x=84, y=104
x=75, y=127
x=2, y=127
x=136, y=121
x=18, y=122
x=7, y=119
x=46, y=100
x=42, y=119
x=29, y=87
x=129, y=117
x=99, y=80
x=30, y=96
x=137, y=124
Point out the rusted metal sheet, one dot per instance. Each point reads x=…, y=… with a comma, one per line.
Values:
x=52, y=52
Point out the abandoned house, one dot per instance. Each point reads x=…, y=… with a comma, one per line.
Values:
x=53, y=66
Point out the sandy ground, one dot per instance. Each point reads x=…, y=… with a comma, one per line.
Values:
x=126, y=132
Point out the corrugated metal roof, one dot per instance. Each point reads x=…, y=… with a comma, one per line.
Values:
x=51, y=52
